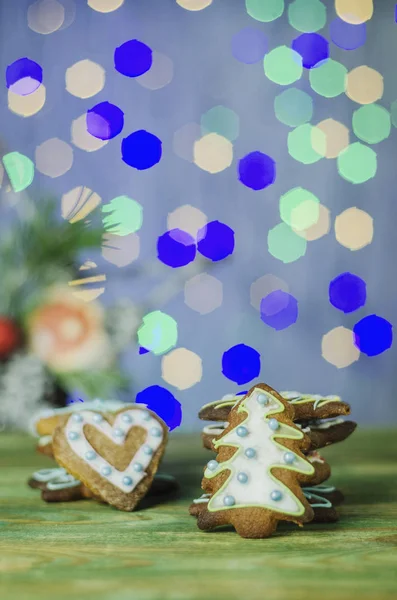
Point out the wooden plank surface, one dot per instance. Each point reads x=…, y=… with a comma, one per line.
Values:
x=84, y=550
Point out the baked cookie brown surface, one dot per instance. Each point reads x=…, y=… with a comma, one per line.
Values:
x=115, y=455
x=255, y=481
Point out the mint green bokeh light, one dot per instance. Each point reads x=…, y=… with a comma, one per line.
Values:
x=20, y=170
x=126, y=216
x=307, y=16
x=221, y=120
x=357, y=163
x=284, y=244
x=393, y=110
x=264, y=10
x=371, y=123
x=328, y=79
x=301, y=141
x=283, y=65
x=293, y=107
x=310, y=208
x=158, y=332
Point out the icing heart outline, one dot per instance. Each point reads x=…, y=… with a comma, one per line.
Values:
x=81, y=447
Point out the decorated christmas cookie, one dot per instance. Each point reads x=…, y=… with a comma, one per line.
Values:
x=115, y=455
x=255, y=480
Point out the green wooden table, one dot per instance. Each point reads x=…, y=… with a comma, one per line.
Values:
x=84, y=550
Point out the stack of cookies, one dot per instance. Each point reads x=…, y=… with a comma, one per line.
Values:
x=268, y=468
x=105, y=450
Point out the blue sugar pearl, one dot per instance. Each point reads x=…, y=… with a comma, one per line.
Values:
x=97, y=418
x=77, y=418
x=274, y=424
x=212, y=465
x=73, y=435
x=155, y=431
x=148, y=450
x=118, y=432
x=289, y=458
x=262, y=399
x=229, y=501
x=90, y=455
x=276, y=495
x=106, y=471
x=242, y=477
x=138, y=467
x=126, y=418
x=127, y=480
x=242, y=431
x=250, y=453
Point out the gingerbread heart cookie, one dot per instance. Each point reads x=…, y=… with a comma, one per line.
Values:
x=114, y=455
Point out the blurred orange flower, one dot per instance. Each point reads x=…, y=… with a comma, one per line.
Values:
x=68, y=334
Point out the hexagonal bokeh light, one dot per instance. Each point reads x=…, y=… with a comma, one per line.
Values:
x=329, y=79
x=320, y=228
x=307, y=16
x=312, y=47
x=215, y=241
x=335, y=135
x=284, y=244
x=241, y=364
x=279, y=310
x=48, y=16
x=23, y=76
x=19, y=169
x=141, y=150
x=133, y=58
x=347, y=36
x=283, y=65
x=265, y=285
x=105, y=6
x=120, y=250
x=194, y=5
x=303, y=143
x=78, y=203
x=353, y=11
x=221, y=120
x=293, y=107
x=265, y=12
x=163, y=403
x=158, y=332
x=257, y=170
x=299, y=208
x=54, y=157
x=357, y=163
x=27, y=106
x=82, y=139
x=105, y=120
x=364, y=85
x=203, y=293
x=160, y=73
x=213, y=153
x=186, y=218
x=249, y=45
x=347, y=292
x=338, y=347
x=176, y=248
x=354, y=228
x=182, y=368
x=184, y=140
x=124, y=216
x=373, y=335
x=85, y=79
x=371, y=123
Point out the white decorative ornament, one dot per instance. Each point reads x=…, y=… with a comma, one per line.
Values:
x=81, y=446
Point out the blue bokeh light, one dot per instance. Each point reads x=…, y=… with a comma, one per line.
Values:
x=24, y=76
x=346, y=35
x=176, y=248
x=347, y=292
x=312, y=47
x=163, y=403
x=215, y=241
x=257, y=170
x=105, y=121
x=279, y=310
x=141, y=150
x=241, y=364
x=373, y=335
x=133, y=58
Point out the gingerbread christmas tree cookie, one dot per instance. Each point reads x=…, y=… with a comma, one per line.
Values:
x=255, y=480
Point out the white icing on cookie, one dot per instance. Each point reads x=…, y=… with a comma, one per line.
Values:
x=259, y=440
x=45, y=440
x=128, y=479
x=327, y=424
x=216, y=429
x=45, y=475
x=203, y=499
